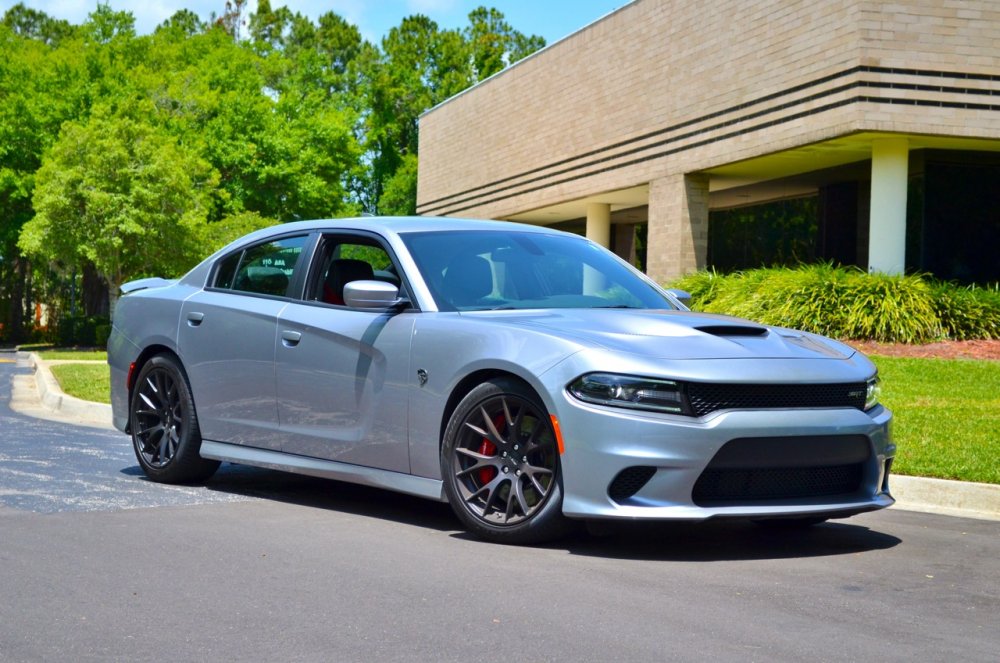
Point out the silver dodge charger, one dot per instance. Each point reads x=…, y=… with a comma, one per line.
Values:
x=529, y=377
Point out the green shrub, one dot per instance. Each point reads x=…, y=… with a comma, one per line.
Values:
x=82, y=331
x=101, y=334
x=849, y=303
x=967, y=313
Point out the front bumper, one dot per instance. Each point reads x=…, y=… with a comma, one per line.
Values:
x=600, y=442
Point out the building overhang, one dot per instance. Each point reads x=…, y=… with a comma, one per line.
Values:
x=780, y=175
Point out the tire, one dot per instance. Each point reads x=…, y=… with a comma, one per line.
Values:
x=500, y=464
x=165, y=434
x=786, y=524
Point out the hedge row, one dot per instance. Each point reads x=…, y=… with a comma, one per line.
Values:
x=849, y=303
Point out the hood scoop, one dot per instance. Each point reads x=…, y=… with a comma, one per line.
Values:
x=733, y=330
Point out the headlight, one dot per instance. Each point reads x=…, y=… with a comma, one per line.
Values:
x=873, y=393
x=629, y=391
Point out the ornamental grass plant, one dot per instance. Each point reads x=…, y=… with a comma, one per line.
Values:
x=845, y=302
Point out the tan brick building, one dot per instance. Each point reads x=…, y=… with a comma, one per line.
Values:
x=667, y=113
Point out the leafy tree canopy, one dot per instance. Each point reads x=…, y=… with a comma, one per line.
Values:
x=124, y=155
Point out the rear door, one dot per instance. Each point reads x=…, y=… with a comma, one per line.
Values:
x=227, y=338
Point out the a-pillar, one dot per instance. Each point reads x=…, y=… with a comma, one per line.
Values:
x=599, y=223
x=677, y=238
x=887, y=227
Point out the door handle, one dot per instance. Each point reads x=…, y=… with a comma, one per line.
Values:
x=195, y=318
x=290, y=338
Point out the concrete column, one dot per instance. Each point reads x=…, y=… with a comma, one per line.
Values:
x=599, y=223
x=887, y=226
x=598, y=231
x=677, y=241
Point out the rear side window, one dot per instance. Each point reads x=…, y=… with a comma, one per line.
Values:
x=264, y=269
x=227, y=270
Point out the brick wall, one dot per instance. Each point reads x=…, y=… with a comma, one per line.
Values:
x=665, y=87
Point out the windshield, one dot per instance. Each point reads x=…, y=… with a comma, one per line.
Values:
x=474, y=270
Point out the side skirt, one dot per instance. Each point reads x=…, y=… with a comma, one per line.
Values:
x=432, y=489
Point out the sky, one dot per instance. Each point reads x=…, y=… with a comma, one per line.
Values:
x=552, y=19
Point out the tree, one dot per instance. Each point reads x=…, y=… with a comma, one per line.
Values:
x=400, y=195
x=421, y=66
x=35, y=24
x=105, y=24
x=495, y=44
x=42, y=84
x=184, y=22
x=120, y=195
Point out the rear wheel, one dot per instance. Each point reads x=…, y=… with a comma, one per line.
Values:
x=165, y=434
x=500, y=464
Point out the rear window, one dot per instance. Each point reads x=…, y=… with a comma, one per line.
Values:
x=264, y=269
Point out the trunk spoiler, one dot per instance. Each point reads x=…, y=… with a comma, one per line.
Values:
x=142, y=284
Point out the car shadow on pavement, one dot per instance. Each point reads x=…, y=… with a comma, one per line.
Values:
x=712, y=541
x=726, y=540
x=332, y=495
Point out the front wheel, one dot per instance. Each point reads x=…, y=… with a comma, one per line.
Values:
x=500, y=465
x=165, y=433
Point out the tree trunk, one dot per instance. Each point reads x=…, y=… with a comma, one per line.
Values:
x=113, y=290
x=96, y=293
x=15, y=313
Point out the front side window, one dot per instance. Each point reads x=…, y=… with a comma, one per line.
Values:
x=495, y=270
x=346, y=259
x=264, y=269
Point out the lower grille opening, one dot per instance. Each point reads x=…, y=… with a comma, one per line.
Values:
x=756, y=484
x=629, y=481
x=754, y=469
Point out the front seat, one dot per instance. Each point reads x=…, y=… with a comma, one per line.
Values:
x=467, y=280
x=341, y=272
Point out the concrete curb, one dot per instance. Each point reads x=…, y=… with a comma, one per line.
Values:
x=952, y=498
x=70, y=408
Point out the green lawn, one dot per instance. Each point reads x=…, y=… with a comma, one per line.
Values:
x=90, y=382
x=947, y=416
x=947, y=412
x=71, y=353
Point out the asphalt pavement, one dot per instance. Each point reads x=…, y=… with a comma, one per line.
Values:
x=99, y=564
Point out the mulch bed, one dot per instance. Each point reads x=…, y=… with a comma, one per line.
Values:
x=939, y=350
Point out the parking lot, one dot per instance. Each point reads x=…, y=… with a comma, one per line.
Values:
x=96, y=563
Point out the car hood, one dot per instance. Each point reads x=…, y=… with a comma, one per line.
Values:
x=672, y=335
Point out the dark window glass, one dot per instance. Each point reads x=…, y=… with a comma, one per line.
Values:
x=777, y=233
x=268, y=268
x=495, y=269
x=351, y=259
x=227, y=270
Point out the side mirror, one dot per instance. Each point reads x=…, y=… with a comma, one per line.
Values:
x=682, y=296
x=372, y=295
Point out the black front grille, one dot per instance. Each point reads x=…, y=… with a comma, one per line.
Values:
x=751, y=469
x=629, y=481
x=705, y=398
x=756, y=484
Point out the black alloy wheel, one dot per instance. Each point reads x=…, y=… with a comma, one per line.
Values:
x=165, y=433
x=501, y=465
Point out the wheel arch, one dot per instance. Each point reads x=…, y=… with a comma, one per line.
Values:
x=147, y=353
x=470, y=382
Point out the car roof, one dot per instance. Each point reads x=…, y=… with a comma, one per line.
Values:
x=406, y=224
x=387, y=226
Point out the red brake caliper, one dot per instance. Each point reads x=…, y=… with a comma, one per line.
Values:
x=487, y=448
